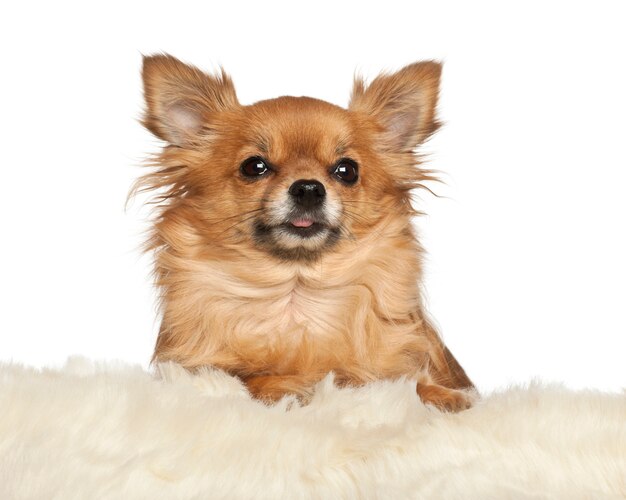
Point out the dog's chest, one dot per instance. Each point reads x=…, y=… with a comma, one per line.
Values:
x=287, y=314
x=289, y=319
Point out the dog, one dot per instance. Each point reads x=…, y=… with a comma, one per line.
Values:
x=282, y=236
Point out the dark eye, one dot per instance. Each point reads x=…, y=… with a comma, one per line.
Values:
x=254, y=167
x=346, y=170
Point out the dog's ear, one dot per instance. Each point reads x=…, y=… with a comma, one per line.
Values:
x=403, y=103
x=180, y=99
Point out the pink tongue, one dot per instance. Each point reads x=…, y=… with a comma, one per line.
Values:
x=302, y=222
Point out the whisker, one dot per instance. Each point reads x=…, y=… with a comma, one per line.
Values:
x=357, y=217
x=363, y=202
x=217, y=221
x=237, y=223
x=257, y=200
x=354, y=217
x=347, y=233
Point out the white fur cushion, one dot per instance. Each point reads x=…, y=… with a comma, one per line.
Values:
x=115, y=431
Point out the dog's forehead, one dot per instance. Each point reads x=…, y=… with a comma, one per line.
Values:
x=288, y=127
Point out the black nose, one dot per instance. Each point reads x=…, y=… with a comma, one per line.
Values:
x=307, y=193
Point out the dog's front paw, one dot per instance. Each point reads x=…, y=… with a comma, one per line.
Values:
x=451, y=400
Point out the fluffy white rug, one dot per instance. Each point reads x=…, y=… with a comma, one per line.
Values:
x=115, y=431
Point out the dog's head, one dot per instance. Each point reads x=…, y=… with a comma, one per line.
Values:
x=292, y=176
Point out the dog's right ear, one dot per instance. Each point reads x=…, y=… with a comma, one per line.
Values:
x=180, y=99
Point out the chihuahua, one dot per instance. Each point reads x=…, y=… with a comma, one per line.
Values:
x=283, y=242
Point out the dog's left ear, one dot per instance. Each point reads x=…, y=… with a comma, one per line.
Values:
x=403, y=103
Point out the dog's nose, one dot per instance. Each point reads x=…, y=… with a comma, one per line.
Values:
x=308, y=193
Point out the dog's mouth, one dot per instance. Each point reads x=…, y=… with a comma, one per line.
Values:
x=304, y=227
x=302, y=236
x=302, y=222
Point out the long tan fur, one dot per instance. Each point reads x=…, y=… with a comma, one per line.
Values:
x=281, y=323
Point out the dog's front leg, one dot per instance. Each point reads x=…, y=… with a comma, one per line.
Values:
x=271, y=388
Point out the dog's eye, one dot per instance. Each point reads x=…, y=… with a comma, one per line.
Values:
x=254, y=167
x=346, y=170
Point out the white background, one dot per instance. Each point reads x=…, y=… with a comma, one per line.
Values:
x=526, y=270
